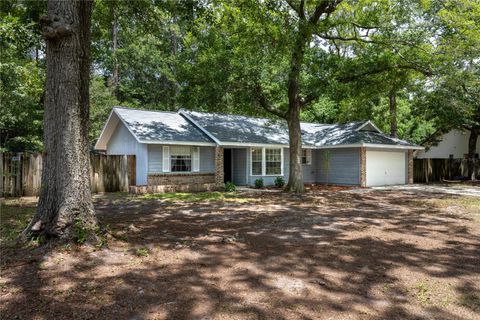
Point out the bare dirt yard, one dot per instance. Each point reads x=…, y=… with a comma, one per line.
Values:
x=328, y=254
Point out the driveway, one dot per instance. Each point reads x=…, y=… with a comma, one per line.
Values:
x=455, y=189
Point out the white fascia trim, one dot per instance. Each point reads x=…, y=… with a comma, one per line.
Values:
x=184, y=114
x=103, y=131
x=368, y=123
x=183, y=143
x=246, y=144
x=387, y=146
x=371, y=145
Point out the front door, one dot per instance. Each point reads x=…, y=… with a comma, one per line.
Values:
x=227, y=165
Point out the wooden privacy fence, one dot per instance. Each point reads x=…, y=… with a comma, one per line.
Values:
x=433, y=170
x=21, y=173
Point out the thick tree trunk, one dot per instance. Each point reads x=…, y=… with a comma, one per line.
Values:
x=392, y=98
x=295, y=176
x=65, y=203
x=472, y=145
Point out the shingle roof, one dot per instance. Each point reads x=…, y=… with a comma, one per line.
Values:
x=241, y=129
x=160, y=126
x=207, y=128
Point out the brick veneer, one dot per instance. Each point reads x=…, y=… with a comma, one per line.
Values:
x=363, y=166
x=180, y=178
x=410, y=166
x=219, y=179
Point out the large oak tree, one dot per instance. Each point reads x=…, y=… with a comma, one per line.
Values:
x=65, y=203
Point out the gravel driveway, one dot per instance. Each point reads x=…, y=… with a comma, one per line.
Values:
x=456, y=189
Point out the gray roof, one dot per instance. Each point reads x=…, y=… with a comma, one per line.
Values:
x=210, y=128
x=160, y=126
x=241, y=129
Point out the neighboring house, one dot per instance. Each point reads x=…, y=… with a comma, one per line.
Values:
x=195, y=148
x=450, y=145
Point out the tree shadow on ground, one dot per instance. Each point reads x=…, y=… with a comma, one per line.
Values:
x=367, y=256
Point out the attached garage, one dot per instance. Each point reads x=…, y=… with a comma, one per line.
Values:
x=385, y=167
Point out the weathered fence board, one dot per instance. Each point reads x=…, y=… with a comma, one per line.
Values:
x=434, y=170
x=21, y=173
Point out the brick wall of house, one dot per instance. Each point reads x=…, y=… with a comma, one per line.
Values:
x=363, y=166
x=219, y=172
x=180, y=178
x=410, y=166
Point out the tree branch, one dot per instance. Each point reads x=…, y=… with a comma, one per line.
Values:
x=262, y=100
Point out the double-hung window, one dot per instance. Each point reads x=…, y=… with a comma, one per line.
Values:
x=180, y=159
x=273, y=161
x=266, y=161
x=257, y=159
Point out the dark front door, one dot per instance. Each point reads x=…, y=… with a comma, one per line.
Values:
x=227, y=165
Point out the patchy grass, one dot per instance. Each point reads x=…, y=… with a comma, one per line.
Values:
x=197, y=197
x=15, y=215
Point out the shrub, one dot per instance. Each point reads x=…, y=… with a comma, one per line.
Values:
x=230, y=186
x=259, y=183
x=279, y=182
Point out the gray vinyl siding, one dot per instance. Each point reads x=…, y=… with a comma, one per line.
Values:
x=268, y=180
x=343, y=169
x=123, y=142
x=155, y=159
x=310, y=170
x=239, y=161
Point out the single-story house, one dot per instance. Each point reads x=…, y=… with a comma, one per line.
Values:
x=447, y=145
x=209, y=149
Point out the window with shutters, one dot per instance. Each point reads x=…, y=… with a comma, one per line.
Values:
x=180, y=159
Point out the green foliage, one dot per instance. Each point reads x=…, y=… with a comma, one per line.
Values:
x=259, y=183
x=230, y=186
x=279, y=182
x=80, y=232
x=196, y=196
x=142, y=252
x=102, y=101
x=21, y=84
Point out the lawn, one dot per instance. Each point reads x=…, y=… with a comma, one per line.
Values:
x=323, y=255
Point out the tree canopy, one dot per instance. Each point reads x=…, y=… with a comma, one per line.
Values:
x=215, y=55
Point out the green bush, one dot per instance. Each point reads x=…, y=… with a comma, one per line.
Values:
x=279, y=182
x=259, y=183
x=230, y=186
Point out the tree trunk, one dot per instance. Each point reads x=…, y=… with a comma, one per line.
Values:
x=114, y=80
x=295, y=176
x=472, y=145
x=65, y=200
x=392, y=98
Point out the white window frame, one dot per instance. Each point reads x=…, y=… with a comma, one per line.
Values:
x=308, y=156
x=264, y=162
x=167, y=159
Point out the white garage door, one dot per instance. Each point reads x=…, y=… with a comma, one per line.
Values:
x=385, y=168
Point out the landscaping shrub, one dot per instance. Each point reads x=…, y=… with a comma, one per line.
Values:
x=230, y=186
x=259, y=183
x=279, y=182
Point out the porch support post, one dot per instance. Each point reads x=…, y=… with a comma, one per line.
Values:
x=219, y=167
x=410, y=166
x=363, y=167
